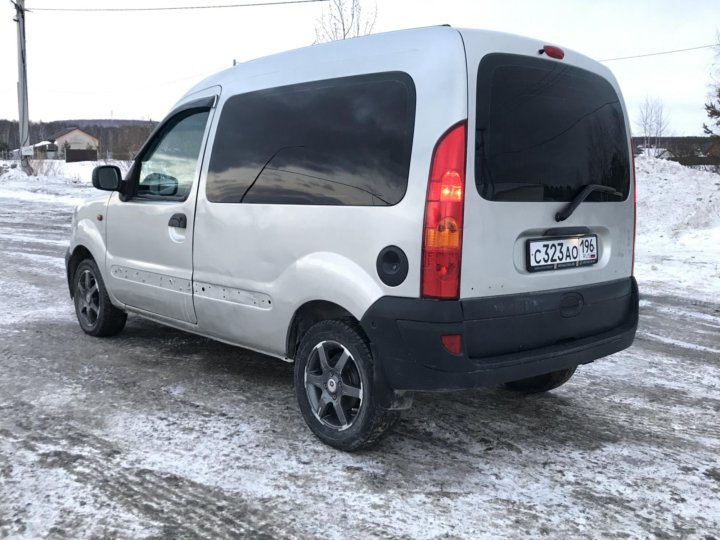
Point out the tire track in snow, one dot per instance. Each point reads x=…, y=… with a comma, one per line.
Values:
x=178, y=506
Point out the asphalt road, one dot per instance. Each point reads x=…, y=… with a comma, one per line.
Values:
x=157, y=433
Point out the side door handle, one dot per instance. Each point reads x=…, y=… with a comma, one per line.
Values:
x=179, y=221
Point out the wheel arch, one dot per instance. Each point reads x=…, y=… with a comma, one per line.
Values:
x=78, y=254
x=321, y=286
x=306, y=316
x=88, y=238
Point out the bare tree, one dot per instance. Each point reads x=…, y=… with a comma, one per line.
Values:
x=344, y=19
x=653, y=123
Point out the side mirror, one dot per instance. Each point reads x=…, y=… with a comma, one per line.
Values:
x=107, y=177
x=159, y=184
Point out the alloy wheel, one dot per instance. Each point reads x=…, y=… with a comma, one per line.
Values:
x=333, y=385
x=87, y=298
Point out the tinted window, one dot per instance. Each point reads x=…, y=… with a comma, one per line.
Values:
x=340, y=142
x=545, y=129
x=168, y=169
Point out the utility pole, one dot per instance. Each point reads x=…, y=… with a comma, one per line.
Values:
x=23, y=119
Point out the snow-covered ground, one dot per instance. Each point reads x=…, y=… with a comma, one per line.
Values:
x=678, y=224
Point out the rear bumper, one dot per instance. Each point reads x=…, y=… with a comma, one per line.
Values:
x=504, y=338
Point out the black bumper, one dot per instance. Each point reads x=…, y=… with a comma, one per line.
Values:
x=504, y=338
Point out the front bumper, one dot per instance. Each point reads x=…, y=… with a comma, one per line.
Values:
x=504, y=338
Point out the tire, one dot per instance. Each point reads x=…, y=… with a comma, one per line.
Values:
x=541, y=383
x=95, y=313
x=334, y=387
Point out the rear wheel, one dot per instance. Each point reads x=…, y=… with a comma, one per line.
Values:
x=95, y=313
x=541, y=383
x=334, y=387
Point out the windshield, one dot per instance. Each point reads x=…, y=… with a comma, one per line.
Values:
x=545, y=130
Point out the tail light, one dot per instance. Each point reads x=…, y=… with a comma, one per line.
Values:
x=452, y=343
x=444, y=205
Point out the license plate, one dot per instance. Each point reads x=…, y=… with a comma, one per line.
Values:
x=556, y=253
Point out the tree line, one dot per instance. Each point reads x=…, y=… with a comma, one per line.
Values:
x=118, y=139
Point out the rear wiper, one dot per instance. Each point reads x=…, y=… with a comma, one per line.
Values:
x=566, y=212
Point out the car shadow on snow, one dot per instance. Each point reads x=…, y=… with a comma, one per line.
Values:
x=485, y=424
x=170, y=346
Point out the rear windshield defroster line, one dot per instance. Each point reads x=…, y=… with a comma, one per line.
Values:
x=545, y=130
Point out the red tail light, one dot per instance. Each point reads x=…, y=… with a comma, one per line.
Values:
x=444, y=205
x=452, y=343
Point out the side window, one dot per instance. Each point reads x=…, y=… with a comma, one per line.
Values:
x=167, y=170
x=335, y=142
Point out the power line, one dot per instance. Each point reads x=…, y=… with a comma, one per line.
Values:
x=179, y=8
x=121, y=90
x=660, y=53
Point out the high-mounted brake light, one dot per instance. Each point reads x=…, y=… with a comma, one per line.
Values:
x=444, y=206
x=552, y=51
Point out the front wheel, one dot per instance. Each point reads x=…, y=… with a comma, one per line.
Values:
x=334, y=387
x=95, y=313
x=541, y=383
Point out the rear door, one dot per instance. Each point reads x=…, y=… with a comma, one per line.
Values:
x=543, y=133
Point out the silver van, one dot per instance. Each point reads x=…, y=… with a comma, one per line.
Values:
x=424, y=210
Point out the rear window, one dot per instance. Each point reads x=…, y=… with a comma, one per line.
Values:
x=343, y=141
x=545, y=130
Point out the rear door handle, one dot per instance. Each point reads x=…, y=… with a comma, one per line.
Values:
x=178, y=221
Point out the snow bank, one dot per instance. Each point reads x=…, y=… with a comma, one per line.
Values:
x=673, y=198
x=678, y=230
x=55, y=181
x=81, y=170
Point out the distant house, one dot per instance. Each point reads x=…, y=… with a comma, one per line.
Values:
x=711, y=148
x=71, y=143
x=690, y=151
x=662, y=153
x=74, y=139
x=45, y=150
x=653, y=151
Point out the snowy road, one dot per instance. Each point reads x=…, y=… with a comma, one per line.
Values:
x=157, y=433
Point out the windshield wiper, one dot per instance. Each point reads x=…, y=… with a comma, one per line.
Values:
x=566, y=212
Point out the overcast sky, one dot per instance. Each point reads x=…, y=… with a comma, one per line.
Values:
x=136, y=65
